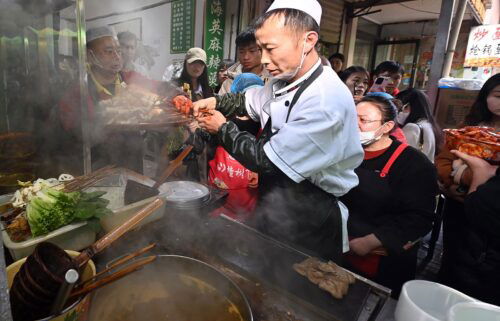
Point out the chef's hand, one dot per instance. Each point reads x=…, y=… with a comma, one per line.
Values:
x=204, y=105
x=364, y=245
x=192, y=126
x=211, y=121
x=482, y=171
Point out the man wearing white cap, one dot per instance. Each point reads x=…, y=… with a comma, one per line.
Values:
x=310, y=145
x=105, y=79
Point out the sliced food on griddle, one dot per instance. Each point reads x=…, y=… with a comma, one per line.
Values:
x=328, y=276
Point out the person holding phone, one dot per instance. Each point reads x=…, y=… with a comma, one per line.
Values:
x=387, y=77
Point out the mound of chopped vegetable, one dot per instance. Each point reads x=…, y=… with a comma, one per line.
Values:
x=51, y=209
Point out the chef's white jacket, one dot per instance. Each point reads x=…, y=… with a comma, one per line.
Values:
x=320, y=142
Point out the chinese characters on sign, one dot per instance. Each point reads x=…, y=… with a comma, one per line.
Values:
x=182, y=26
x=214, y=37
x=483, y=49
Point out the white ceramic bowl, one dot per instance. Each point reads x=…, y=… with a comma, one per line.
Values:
x=474, y=311
x=427, y=301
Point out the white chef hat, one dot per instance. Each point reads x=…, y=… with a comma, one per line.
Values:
x=311, y=7
x=99, y=32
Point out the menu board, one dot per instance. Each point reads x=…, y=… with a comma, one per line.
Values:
x=182, y=26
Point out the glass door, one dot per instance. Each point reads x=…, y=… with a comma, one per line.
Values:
x=404, y=52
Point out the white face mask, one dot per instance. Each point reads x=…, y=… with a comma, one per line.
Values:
x=368, y=138
x=401, y=117
x=289, y=75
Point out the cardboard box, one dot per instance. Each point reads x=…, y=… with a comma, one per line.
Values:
x=453, y=105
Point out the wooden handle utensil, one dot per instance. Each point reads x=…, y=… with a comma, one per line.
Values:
x=173, y=166
x=115, y=234
x=113, y=277
x=120, y=262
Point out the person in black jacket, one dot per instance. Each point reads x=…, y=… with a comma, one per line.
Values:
x=393, y=205
x=475, y=269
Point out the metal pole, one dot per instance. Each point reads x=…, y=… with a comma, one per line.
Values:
x=440, y=46
x=5, y=314
x=455, y=31
x=82, y=62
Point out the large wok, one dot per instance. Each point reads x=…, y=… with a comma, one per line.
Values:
x=173, y=288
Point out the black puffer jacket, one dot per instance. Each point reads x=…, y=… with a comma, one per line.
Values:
x=476, y=268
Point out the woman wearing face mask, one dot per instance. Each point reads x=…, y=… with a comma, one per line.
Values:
x=417, y=122
x=195, y=74
x=456, y=177
x=393, y=205
x=356, y=79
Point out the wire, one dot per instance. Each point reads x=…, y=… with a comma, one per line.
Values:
x=424, y=11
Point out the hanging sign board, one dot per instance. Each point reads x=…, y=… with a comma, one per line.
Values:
x=483, y=49
x=182, y=26
x=214, y=37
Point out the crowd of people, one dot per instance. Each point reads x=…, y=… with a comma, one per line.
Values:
x=337, y=161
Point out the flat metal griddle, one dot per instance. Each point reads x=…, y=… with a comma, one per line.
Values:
x=262, y=266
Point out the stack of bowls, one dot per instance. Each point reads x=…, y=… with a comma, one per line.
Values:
x=427, y=301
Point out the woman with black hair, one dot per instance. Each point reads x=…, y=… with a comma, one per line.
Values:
x=195, y=74
x=357, y=80
x=484, y=112
x=417, y=122
x=456, y=177
x=393, y=205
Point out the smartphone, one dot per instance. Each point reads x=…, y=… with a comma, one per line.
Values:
x=379, y=84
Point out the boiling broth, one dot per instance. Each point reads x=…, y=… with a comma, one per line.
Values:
x=153, y=294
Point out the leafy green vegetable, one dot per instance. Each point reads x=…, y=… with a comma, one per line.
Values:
x=52, y=209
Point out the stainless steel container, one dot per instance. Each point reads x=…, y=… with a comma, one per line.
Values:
x=171, y=288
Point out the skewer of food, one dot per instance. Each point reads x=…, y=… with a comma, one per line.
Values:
x=136, y=106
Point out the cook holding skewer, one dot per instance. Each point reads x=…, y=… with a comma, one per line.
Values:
x=310, y=145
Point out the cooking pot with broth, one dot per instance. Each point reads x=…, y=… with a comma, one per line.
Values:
x=172, y=288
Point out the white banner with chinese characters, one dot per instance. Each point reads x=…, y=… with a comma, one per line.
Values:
x=483, y=49
x=214, y=37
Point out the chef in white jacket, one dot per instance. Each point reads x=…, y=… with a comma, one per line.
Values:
x=309, y=147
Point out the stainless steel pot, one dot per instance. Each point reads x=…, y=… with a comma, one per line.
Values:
x=171, y=288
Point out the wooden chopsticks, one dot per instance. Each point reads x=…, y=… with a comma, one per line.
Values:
x=113, y=277
x=121, y=261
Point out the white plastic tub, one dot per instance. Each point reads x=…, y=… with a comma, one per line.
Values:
x=76, y=237
x=474, y=311
x=427, y=301
x=115, y=185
